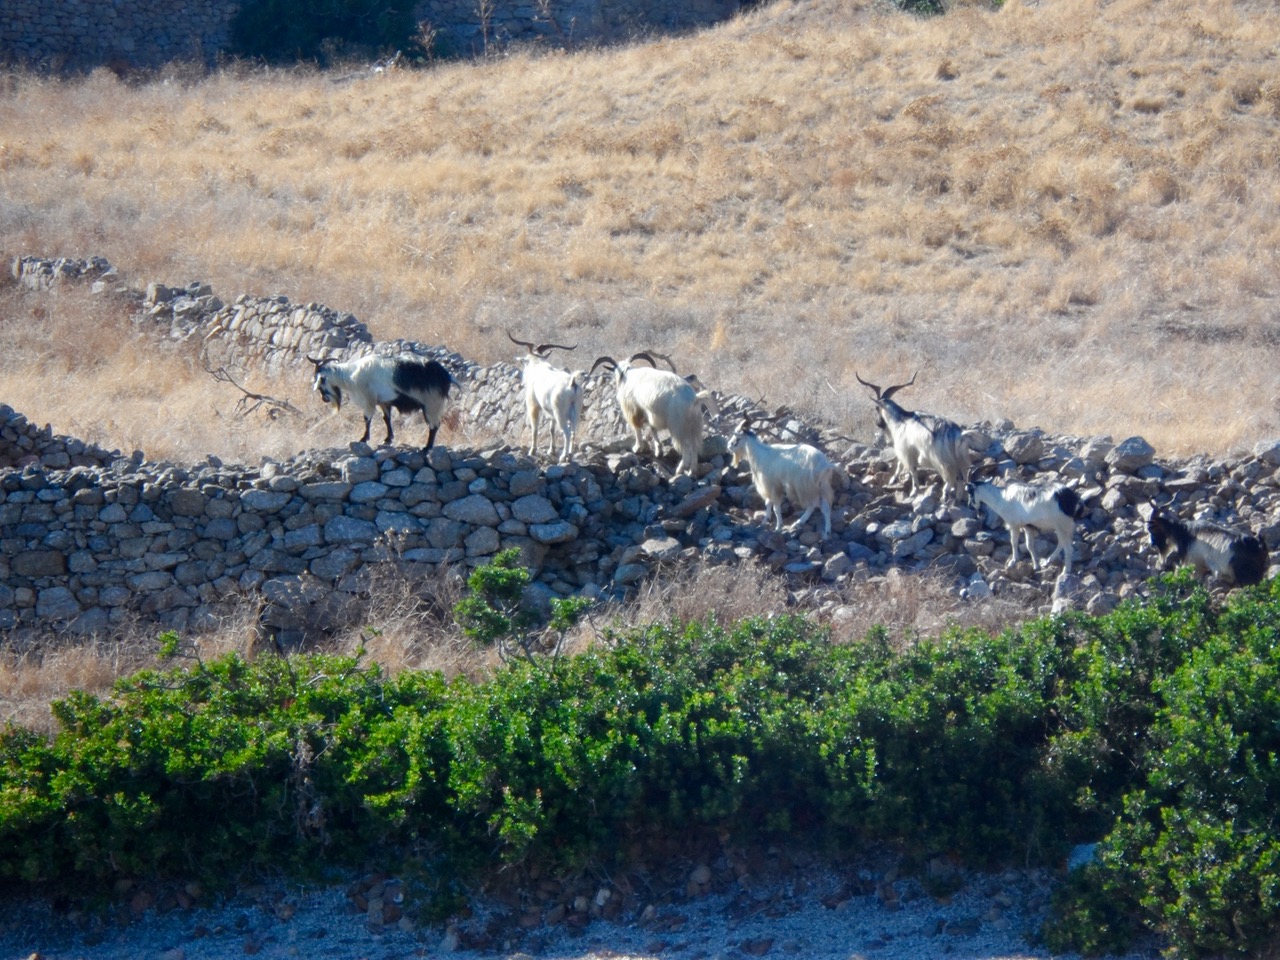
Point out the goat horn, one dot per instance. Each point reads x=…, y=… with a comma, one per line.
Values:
x=543, y=349
x=890, y=391
x=873, y=387
x=318, y=363
x=667, y=360
x=644, y=356
x=523, y=343
x=608, y=361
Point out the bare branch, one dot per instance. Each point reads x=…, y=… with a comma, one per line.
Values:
x=251, y=401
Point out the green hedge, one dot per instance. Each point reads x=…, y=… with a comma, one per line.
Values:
x=1154, y=730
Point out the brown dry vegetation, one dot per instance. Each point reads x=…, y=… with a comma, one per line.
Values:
x=1064, y=214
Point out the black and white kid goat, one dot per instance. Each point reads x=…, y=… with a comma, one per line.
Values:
x=1232, y=556
x=921, y=439
x=374, y=383
x=1023, y=506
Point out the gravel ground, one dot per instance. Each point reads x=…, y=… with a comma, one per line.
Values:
x=817, y=913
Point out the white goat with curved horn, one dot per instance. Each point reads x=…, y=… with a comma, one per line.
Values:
x=921, y=439
x=1022, y=506
x=551, y=390
x=786, y=471
x=653, y=400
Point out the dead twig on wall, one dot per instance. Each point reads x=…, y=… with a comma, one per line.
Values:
x=250, y=401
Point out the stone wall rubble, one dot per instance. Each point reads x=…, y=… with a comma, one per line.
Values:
x=92, y=539
x=77, y=35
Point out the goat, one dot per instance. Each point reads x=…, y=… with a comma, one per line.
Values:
x=795, y=471
x=1022, y=506
x=373, y=383
x=548, y=389
x=653, y=400
x=1230, y=555
x=920, y=439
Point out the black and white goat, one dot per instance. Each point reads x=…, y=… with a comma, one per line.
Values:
x=652, y=399
x=1022, y=506
x=550, y=390
x=1232, y=556
x=921, y=439
x=786, y=471
x=374, y=383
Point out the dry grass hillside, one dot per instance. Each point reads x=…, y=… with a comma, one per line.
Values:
x=1066, y=214
x=1063, y=214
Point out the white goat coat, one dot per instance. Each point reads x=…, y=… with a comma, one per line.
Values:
x=653, y=400
x=922, y=440
x=788, y=471
x=556, y=392
x=377, y=383
x=1023, y=506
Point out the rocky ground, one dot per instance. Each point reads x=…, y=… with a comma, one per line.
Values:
x=718, y=910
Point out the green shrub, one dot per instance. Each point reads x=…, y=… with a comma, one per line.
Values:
x=1155, y=729
x=1192, y=853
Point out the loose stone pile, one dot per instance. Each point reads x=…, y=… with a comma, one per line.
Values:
x=91, y=539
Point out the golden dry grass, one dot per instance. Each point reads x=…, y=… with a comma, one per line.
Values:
x=1064, y=214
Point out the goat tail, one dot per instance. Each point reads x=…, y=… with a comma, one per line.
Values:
x=954, y=451
x=709, y=402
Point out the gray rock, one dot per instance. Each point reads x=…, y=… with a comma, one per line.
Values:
x=534, y=508
x=347, y=530
x=264, y=501
x=56, y=603
x=368, y=491
x=1024, y=448
x=40, y=563
x=629, y=573
x=560, y=531
x=1131, y=455
x=473, y=509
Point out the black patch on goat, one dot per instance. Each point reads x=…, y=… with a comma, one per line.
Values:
x=414, y=375
x=1245, y=554
x=1069, y=503
x=1249, y=561
x=1162, y=529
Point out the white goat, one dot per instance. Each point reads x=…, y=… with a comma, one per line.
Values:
x=548, y=389
x=921, y=439
x=374, y=383
x=795, y=471
x=1024, y=505
x=1230, y=555
x=653, y=400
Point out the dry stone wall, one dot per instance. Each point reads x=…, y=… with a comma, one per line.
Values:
x=93, y=539
x=82, y=34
